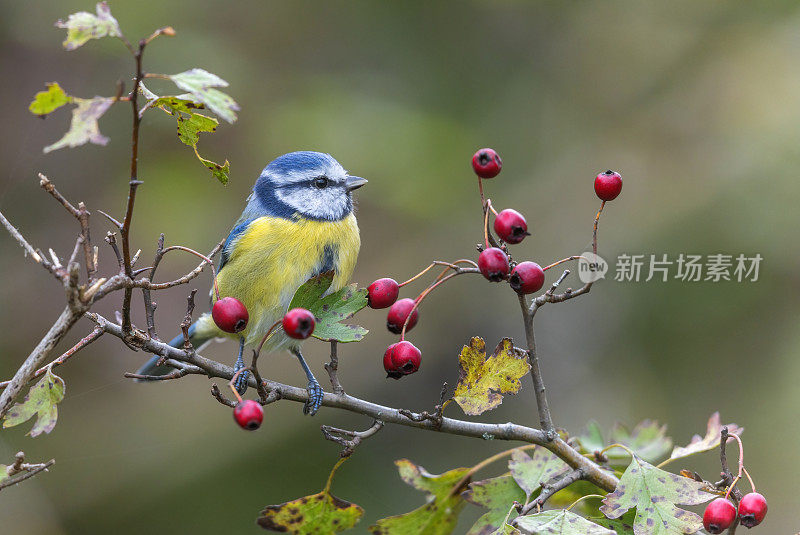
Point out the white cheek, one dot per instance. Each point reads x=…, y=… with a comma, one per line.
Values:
x=325, y=204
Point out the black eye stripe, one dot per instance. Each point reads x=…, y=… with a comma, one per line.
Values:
x=320, y=182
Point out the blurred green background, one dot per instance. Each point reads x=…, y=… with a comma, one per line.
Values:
x=696, y=103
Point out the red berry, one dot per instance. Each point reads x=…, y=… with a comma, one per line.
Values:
x=299, y=323
x=719, y=515
x=230, y=315
x=398, y=314
x=526, y=278
x=382, y=293
x=248, y=414
x=493, y=263
x=511, y=226
x=752, y=509
x=487, y=163
x=388, y=363
x=607, y=185
x=402, y=358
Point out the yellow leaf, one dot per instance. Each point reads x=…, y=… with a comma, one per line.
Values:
x=483, y=381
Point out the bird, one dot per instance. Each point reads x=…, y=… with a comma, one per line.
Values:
x=299, y=222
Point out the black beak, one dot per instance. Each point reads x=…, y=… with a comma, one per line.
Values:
x=354, y=182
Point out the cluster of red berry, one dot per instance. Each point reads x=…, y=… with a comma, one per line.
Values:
x=720, y=513
x=403, y=358
x=231, y=316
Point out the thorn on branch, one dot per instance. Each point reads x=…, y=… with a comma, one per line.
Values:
x=332, y=368
x=349, y=440
x=187, y=321
x=436, y=416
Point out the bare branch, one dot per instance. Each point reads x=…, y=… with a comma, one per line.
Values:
x=29, y=250
x=96, y=333
x=388, y=415
x=549, y=488
x=29, y=469
x=349, y=440
x=82, y=215
x=332, y=368
x=545, y=419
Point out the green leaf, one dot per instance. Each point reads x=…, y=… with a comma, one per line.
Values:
x=190, y=125
x=483, y=381
x=622, y=525
x=42, y=400
x=531, y=472
x=83, y=26
x=709, y=442
x=220, y=171
x=84, y=128
x=45, y=102
x=201, y=86
x=330, y=310
x=559, y=522
x=497, y=494
x=655, y=494
x=439, y=516
x=189, y=128
x=321, y=513
x=648, y=440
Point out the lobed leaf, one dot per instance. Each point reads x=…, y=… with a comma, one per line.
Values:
x=530, y=472
x=189, y=128
x=648, y=440
x=314, y=514
x=83, y=26
x=709, y=442
x=559, y=522
x=45, y=102
x=332, y=309
x=84, y=128
x=321, y=513
x=41, y=401
x=483, y=381
x=437, y=517
x=201, y=86
x=655, y=494
x=497, y=494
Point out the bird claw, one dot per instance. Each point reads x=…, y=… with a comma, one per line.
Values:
x=241, y=381
x=315, y=394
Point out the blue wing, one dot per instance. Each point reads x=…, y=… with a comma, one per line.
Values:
x=237, y=231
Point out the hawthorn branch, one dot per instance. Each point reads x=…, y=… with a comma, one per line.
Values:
x=20, y=466
x=486, y=431
x=552, y=486
x=96, y=333
x=133, y=185
x=349, y=440
x=82, y=215
x=332, y=368
x=545, y=418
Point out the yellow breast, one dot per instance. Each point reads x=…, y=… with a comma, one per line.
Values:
x=274, y=256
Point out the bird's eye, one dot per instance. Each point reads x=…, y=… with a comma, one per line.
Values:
x=321, y=182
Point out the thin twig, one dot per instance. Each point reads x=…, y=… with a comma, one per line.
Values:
x=552, y=486
x=96, y=333
x=20, y=465
x=332, y=368
x=349, y=439
x=545, y=419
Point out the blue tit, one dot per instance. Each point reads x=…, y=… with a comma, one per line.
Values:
x=298, y=223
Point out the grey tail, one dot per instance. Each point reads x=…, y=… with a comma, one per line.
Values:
x=151, y=367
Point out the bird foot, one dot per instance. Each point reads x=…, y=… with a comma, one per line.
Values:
x=315, y=394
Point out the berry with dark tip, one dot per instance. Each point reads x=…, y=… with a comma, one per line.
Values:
x=526, y=278
x=248, y=414
x=487, y=163
x=299, y=323
x=752, y=509
x=719, y=515
x=402, y=358
x=493, y=263
x=230, y=315
x=398, y=314
x=608, y=185
x=382, y=293
x=511, y=226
